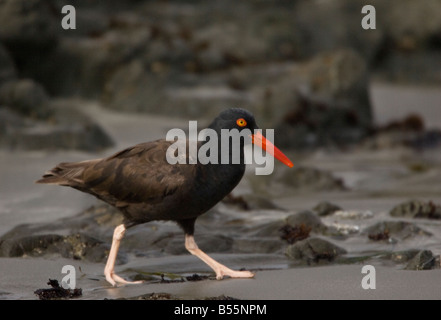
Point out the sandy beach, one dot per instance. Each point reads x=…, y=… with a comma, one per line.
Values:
x=377, y=182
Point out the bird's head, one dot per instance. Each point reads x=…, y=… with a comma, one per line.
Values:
x=241, y=119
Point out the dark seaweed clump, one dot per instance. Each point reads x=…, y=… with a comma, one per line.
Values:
x=57, y=292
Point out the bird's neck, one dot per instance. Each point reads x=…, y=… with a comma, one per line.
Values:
x=227, y=149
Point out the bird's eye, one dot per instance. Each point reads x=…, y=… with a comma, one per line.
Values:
x=241, y=122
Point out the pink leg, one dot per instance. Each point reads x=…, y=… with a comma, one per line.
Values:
x=109, y=270
x=220, y=269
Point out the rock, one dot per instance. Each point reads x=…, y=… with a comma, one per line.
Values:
x=423, y=260
x=8, y=71
x=98, y=221
x=299, y=179
x=75, y=246
x=417, y=209
x=268, y=230
x=27, y=23
x=29, y=29
x=411, y=53
x=67, y=128
x=407, y=132
x=308, y=178
x=388, y=230
x=26, y=97
x=294, y=234
x=332, y=106
x=86, y=236
x=403, y=256
x=325, y=208
x=134, y=88
x=307, y=218
x=353, y=214
x=314, y=250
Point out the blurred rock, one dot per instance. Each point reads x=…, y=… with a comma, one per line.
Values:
x=417, y=209
x=402, y=256
x=75, y=246
x=29, y=29
x=407, y=132
x=26, y=97
x=299, y=178
x=308, y=178
x=393, y=230
x=295, y=233
x=134, y=88
x=7, y=68
x=314, y=250
x=332, y=106
x=353, y=214
x=325, y=208
x=27, y=23
x=423, y=260
x=65, y=128
x=307, y=218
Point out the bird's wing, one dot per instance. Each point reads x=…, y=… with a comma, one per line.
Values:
x=137, y=174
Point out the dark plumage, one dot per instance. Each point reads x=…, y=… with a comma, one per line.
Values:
x=145, y=187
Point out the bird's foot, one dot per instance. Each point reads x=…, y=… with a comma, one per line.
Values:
x=115, y=279
x=232, y=273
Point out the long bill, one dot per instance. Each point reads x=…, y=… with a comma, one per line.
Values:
x=259, y=140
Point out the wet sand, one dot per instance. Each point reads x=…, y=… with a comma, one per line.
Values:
x=330, y=282
x=378, y=181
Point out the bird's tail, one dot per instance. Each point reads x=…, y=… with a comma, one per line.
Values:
x=65, y=173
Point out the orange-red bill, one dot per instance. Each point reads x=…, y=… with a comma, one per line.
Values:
x=259, y=140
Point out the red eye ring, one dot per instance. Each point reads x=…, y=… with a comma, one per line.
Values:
x=241, y=122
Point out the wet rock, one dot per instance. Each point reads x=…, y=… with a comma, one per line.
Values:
x=86, y=236
x=423, y=260
x=76, y=246
x=268, y=229
x=294, y=234
x=310, y=179
x=390, y=230
x=298, y=179
x=308, y=219
x=353, y=214
x=408, y=132
x=417, y=209
x=403, y=256
x=325, y=208
x=332, y=106
x=314, y=250
x=66, y=128
x=342, y=229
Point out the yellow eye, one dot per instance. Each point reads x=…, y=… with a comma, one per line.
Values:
x=241, y=122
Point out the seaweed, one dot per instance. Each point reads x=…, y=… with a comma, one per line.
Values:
x=294, y=234
x=57, y=292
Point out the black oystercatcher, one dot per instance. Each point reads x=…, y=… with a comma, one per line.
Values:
x=145, y=187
